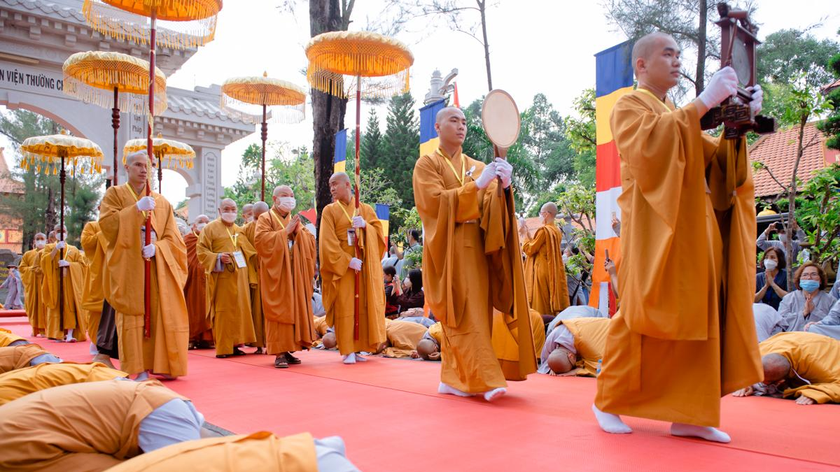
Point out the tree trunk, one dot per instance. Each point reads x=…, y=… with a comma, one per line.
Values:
x=49, y=214
x=482, y=4
x=699, y=81
x=792, y=204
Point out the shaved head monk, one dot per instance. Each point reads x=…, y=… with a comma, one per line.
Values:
x=228, y=259
x=466, y=253
x=688, y=228
x=51, y=237
x=32, y=277
x=71, y=267
x=545, y=274
x=341, y=225
x=122, y=219
x=201, y=332
x=575, y=346
x=248, y=212
x=93, y=298
x=287, y=268
x=257, y=315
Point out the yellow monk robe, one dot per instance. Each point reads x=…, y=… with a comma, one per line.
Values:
x=403, y=337
x=337, y=278
x=590, y=337
x=505, y=335
x=18, y=357
x=7, y=337
x=32, y=278
x=286, y=275
x=195, y=293
x=74, y=283
x=678, y=344
x=472, y=263
x=256, y=452
x=94, y=244
x=436, y=331
x=22, y=382
x=165, y=352
x=85, y=427
x=319, y=323
x=228, y=291
x=249, y=231
x=545, y=275
x=813, y=357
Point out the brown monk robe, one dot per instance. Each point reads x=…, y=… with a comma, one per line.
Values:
x=249, y=230
x=7, y=338
x=226, y=256
x=545, y=275
x=20, y=356
x=402, y=338
x=471, y=263
x=287, y=268
x=22, y=382
x=94, y=244
x=32, y=278
x=72, y=267
x=82, y=427
x=685, y=334
x=122, y=220
x=201, y=333
x=339, y=266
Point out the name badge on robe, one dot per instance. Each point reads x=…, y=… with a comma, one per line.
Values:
x=351, y=237
x=240, y=260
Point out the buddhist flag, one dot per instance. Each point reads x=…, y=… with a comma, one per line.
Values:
x=340, y=158
x=429, y=140
x=383, y=212
x=613, y=78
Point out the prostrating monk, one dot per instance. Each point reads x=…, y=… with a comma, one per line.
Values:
x=8, y=338
x=805, y=366
x=249, y=230
x=340, y=226
x=574, y=347
x=472, y=263
x=258, y=452
x=87, y=427
x=201, y=332
x=287, y=268
x=32, y=277
x=23, y=355
x=401, y=338
x=225, y=254
x=71, y=267
x=428, y=348
x=248, y=213
x=505, y=335
x=93, y=298
x=22, y=382
x=685, y=334
x=122, y=220
x=545, y=274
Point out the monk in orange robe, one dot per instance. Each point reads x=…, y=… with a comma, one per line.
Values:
x=22, y=382
x=69, y=325
x=341, y=225
x=254, y=275
x=93, y=297
x=201, y=333
x=32, y=278
x=685, y=334
x=20, y=356
x=545, y=274
x=472, y=263
x=8, y=338
x=122, y=219
x=287, y=269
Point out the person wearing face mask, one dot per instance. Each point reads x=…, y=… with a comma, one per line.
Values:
x=769, y=283
x=15, y=289
x=287, y=268
x=63, y=260
x=93, y=296
x=31, y=276
x=249, y=230
x=248, y=213
x=809, y=303
x=226, y=254
x=764, y=241
x=545, y=273
x=201, y=333
x=122, y=218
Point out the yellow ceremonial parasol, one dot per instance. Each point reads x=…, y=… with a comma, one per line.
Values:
x=185, y=24
x=51, y=154
x=385, y=61
x=96, y=76
x=176, y=153
x=245, y=97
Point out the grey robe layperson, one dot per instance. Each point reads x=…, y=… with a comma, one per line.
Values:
x=793, y=305
x=830, y=325
x=15, y=287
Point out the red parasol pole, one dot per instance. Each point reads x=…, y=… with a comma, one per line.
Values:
x=147, y=321
x=357, y=163
x=264, y=137
x=115, y=123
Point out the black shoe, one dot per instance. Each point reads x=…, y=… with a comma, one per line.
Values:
x=238, y=352
x=292, y=359
x=222, y=356
x=281, y=363
x=259, y=350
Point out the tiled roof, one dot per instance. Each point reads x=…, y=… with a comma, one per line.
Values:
x=7, y=184
x=778, y=153
x=203, y=102
x=67, y=12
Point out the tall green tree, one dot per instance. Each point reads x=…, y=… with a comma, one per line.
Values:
x=831, y=125
x=372, y=151
x=580, y=131
x=785, y=55
x=402, y=146
x=544, y=138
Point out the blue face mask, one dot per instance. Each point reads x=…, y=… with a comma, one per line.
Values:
x=809, y=285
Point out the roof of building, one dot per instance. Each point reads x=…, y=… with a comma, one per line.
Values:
x=7, y=183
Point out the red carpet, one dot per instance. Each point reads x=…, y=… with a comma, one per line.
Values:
x=389, y=414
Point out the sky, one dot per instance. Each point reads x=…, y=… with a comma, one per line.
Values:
x=536, y=46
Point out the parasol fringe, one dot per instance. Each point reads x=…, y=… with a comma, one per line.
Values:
x=325, y=81
x=250, y=113
x=135, y=104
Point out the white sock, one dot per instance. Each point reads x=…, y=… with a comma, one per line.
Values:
x=446, y=389
x=93, y=351
x=494, y=394
x=704, y=432
x=350, y=358
x=142, y=376
x=359, y=358
x=69, y=336
x=610, y=423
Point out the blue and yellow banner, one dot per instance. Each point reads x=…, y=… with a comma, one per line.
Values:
x=383, y=212
x=429, y=140
x=340, y=157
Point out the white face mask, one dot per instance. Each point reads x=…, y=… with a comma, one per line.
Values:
x=40, y=243
x=59, y=236
x=770, y=264
x=249, y=219
x=200, y=226
x=783, y=238
x=288, y=203
x=229, y=217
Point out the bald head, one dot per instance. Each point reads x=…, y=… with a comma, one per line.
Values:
x=329, y=340
x=445, y=113
x=561, y=360
x=656, y=62
x=200, y=222
x=451, y=127
x=259, y=209
x=428, y=350
x=248, y=212
x=340, y=187
x=776, y=368
x=286, y=191
x=548, y=212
